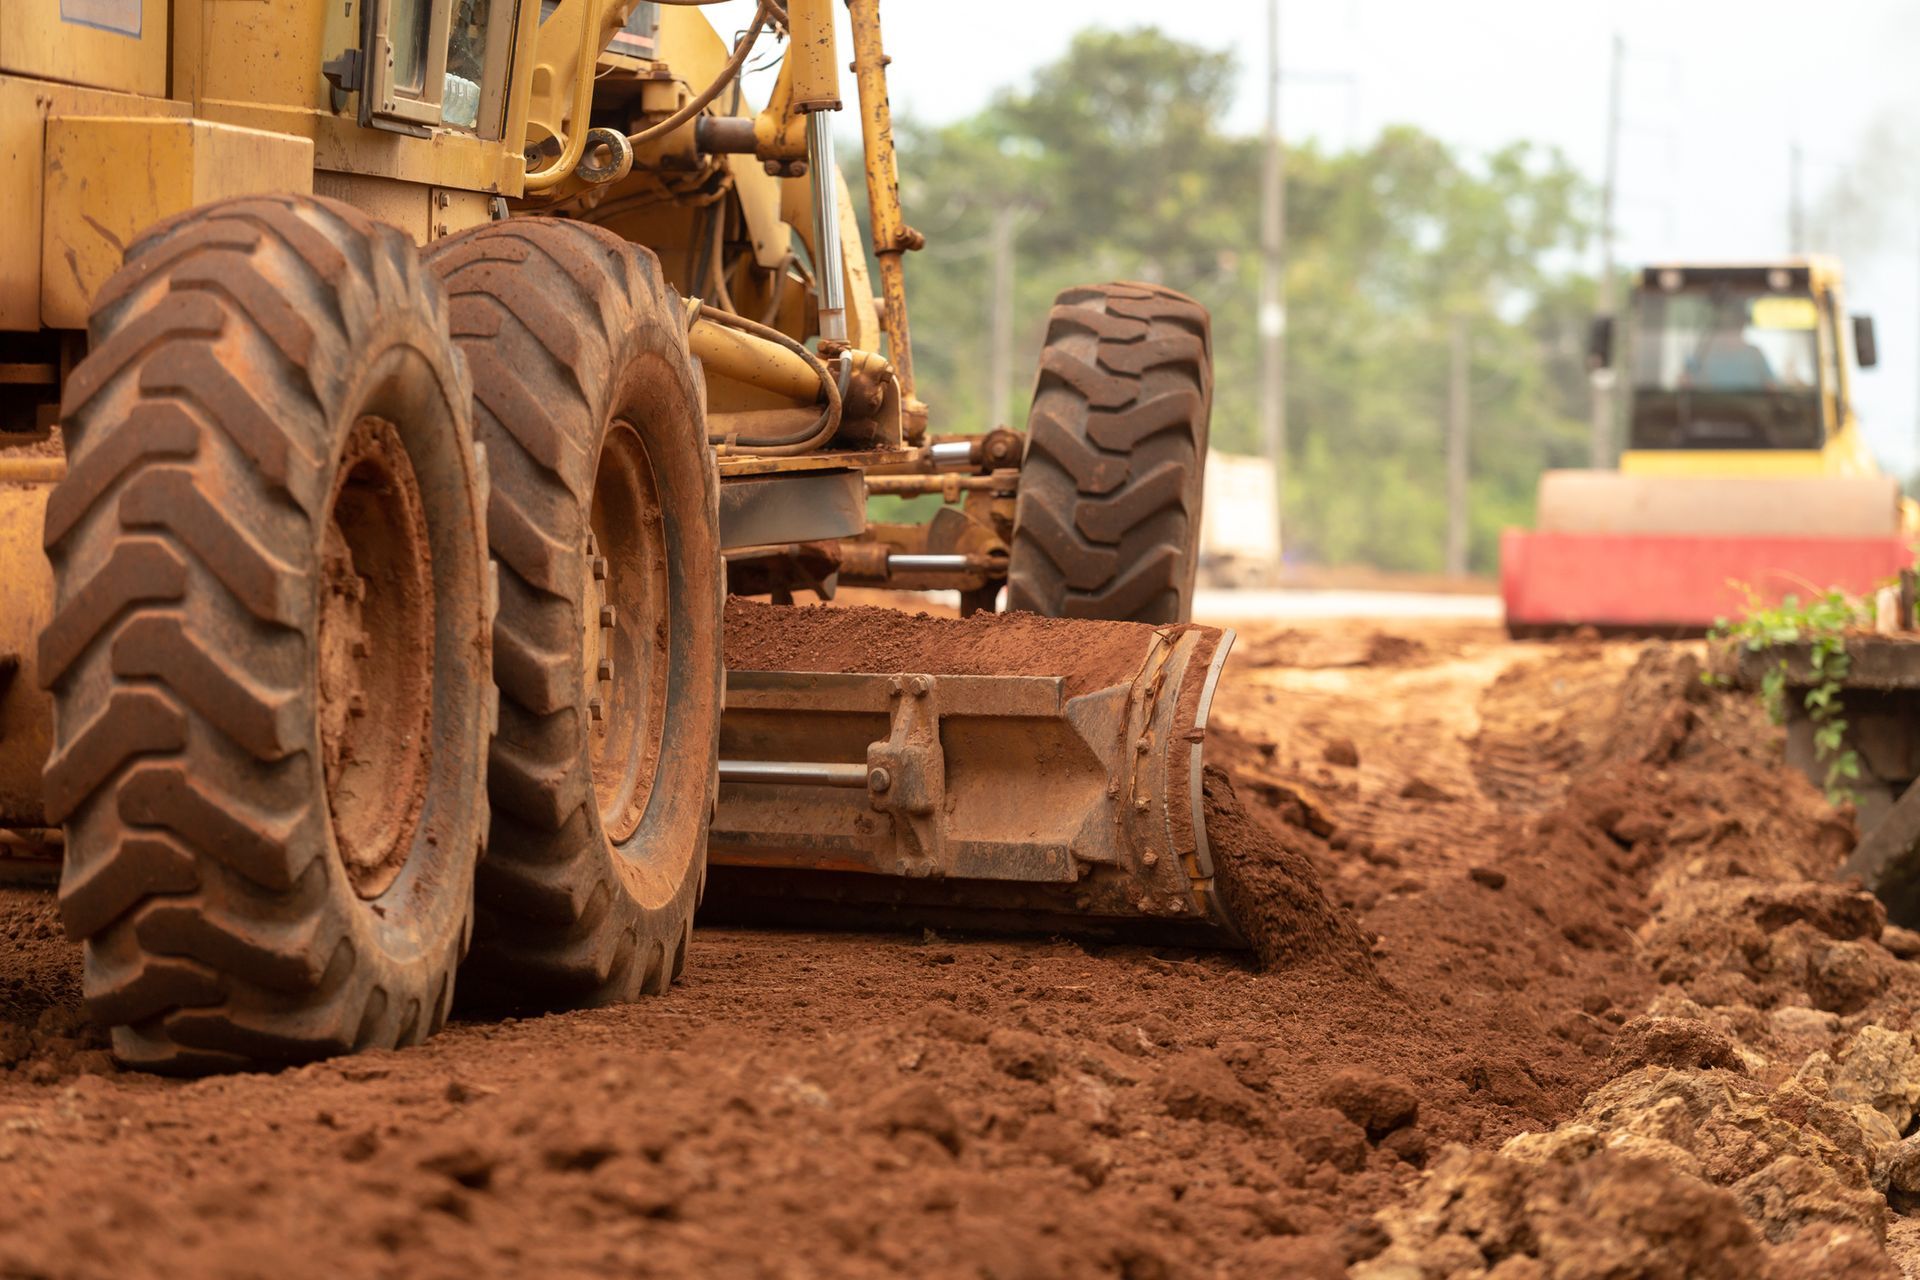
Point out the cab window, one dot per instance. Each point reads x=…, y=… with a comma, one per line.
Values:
x=437, y=63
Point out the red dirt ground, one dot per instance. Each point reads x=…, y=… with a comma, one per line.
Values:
x=1502, y=822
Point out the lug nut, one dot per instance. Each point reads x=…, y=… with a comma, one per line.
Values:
x=920, y=686
x=1150, y=857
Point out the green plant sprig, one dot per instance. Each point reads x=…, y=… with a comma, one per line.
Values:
x=1822, y=626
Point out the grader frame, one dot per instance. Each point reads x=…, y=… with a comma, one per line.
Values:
x=526, y=146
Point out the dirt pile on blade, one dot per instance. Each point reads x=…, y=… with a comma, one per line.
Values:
x=1091, y=655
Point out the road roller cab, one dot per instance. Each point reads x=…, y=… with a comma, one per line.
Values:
x=1744, y=475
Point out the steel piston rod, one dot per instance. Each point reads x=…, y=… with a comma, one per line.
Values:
x=926, y=563
x=826, y=227
x=794, y=773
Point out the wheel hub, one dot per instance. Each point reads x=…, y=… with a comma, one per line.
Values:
x=375, y=655
x=626, y=631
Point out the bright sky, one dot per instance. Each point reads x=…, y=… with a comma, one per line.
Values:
x=1714, y=94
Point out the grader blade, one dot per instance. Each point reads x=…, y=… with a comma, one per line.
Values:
x=1001, y=772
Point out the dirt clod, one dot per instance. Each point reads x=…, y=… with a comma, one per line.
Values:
x=1021, y=1054
x=1379, y=1104
x=1671, y=1042
x=1197, y=1085
x=917, y=1107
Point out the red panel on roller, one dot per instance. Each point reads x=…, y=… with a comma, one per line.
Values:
x=1676, y=580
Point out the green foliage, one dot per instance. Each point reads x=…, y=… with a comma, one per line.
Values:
x=1118, y=162
x=1822, y=626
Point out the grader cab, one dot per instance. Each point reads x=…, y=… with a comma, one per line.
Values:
x=391, y=392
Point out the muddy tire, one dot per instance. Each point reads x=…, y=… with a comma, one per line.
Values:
x=269, y=652
x=605, y=522
x=1108, y=520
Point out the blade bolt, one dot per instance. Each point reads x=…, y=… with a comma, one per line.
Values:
x=599, y=568
x=1150, y=857
x=879, y=780
x=604, y=671
x=920, y=686
x=1142, y=743
x=606, y=615
x=596, y=708
x=1141, y=804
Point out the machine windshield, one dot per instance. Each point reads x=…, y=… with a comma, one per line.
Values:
x=1726, y=340
x=1723, y=367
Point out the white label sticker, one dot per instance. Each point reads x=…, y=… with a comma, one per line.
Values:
x=119, y=16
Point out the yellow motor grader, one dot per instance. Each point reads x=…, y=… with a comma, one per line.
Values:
x=391, y=391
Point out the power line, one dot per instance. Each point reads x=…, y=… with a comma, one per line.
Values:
x=1271, y=319
x=1600, y=443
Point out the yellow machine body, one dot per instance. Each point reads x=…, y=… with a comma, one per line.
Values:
x=1840, y=450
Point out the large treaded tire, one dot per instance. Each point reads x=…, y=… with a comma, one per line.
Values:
x=1108, y=520
x=232, y=359
x=568, y=331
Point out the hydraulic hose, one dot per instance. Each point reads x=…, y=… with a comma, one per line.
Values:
x=700, y=101
x=781, y=446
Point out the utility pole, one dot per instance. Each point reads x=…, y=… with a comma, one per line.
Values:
x=1000, y=322
x=1272, y=318
x=1457, y=440
x=1796, y=208
x=1600, y=444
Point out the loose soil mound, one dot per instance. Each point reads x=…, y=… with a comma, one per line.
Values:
x=1273, y=891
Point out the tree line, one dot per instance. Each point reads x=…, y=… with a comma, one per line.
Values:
x=1115, y=162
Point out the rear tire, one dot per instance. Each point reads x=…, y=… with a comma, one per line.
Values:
x=605, y=495
x=269, y=652
x=1108, y=520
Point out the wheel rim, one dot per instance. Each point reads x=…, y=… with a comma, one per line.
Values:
x=627, y=625
x=375, y=656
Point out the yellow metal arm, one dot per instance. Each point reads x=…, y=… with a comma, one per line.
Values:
x=892, y=237
x=808, y=82
x=598, y=20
